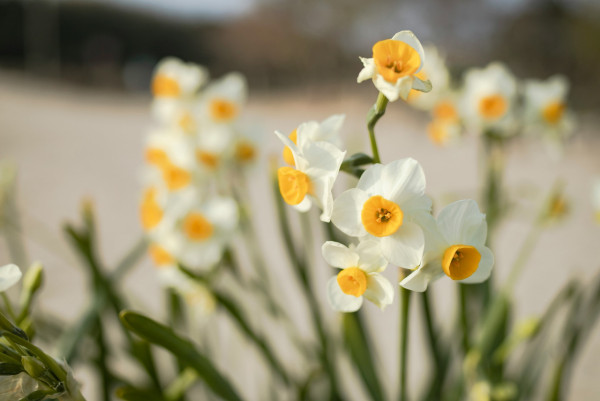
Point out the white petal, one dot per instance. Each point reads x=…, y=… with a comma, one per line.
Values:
x=346, y=212
x=299, y=159
x=410, y=39
x=339, y=301
x=461, y=222
x=303, y=206
x=222, y=212
x=371, y=181
x=331, y=126
x=393, y=91
x=9, y=275
x=419, y=279
x=321, y=193
x=323, y=156
x=485, y=267
x=371, y=259
x=368, y=70
x=404, y=180
x=379, y=290
x=405, y=247
x=338, y=255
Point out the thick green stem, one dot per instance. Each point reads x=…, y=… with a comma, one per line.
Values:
x=404, y=312
x=464, y=317
x=375, y=113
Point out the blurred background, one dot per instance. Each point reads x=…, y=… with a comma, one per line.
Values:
x=75, y=109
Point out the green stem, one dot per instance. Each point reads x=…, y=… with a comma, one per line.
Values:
x=9, y=308
x=464, y=319
x=404, y=312
x=523, y=256
x=375, y=113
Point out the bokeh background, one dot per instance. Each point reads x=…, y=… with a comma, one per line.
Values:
x=74, y=111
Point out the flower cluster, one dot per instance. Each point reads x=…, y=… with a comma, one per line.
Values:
x=197, y=137
x=388, y=212
x=488, y=100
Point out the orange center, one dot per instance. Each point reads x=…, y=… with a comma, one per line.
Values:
x=222, y=110
x=395, y=59
x=438, y=132
x=460, y=261
x=293, y=185
x=245, y=152
x=197, y=227
x=150, y=212
x=288, y=156
x=209, y=159
x=157, y=156
x=381, y=217
x=352, y=281
x=493, y=107
x=553, y=112
x=164, y=86
x=160, y=256
x=445, y=110
x=176, y=177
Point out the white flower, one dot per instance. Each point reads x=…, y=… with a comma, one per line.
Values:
x=394, y=66
x=545, y=111
x=9, y=276
x=223, y=99
x=201, y=233
x=317, y=165
x=194, y=293
x=387, y=205
x=455, y=246
x=313, y=131
x=359, y=276
x=488, y=99
x=437, y=73
x=174, y=79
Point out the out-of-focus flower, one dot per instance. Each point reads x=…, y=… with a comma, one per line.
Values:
x=387, y=205
x=395, y=65
x=359, y=276
x=596, y=199
x=9, y=275
x=488, y=99
x=313, y=131
x=317, y=165
x=436, y=72
x=223, y=99
x=174, y=78
x=446, y=125
x=201, y=232
x=546, y=111
x=455, y=246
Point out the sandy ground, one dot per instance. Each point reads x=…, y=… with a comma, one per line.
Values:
x=71, y=143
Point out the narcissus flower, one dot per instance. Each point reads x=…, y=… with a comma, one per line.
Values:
x=9, y=276
x=546, y=111
x=317, y=165
x=387, y=205
x=173, y=78
x=223, y=99
x=488, y=99
x=446, y=125
x=313, y=131
x=395, y=66
x=359, y=276
x=202, y=232
x=455, y=246
x=194, y=293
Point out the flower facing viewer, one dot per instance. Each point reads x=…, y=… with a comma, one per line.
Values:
x=455, y=246
x=359, y=276
x=395, y=65
x=387, y=206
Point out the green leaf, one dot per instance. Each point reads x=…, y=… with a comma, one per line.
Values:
x=183, y=349
x=38, y=395
x=357, y=343
x=9, y=369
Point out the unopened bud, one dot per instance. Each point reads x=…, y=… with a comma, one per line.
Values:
x=33, y=366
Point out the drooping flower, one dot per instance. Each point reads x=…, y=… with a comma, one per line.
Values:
x=359, y=276
x=9, y=275
x=317, y=165
x=546, y=111
x=488, y=99
x=313, y=131
x=455, y=246
x=395, y=65
x=387, y=205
